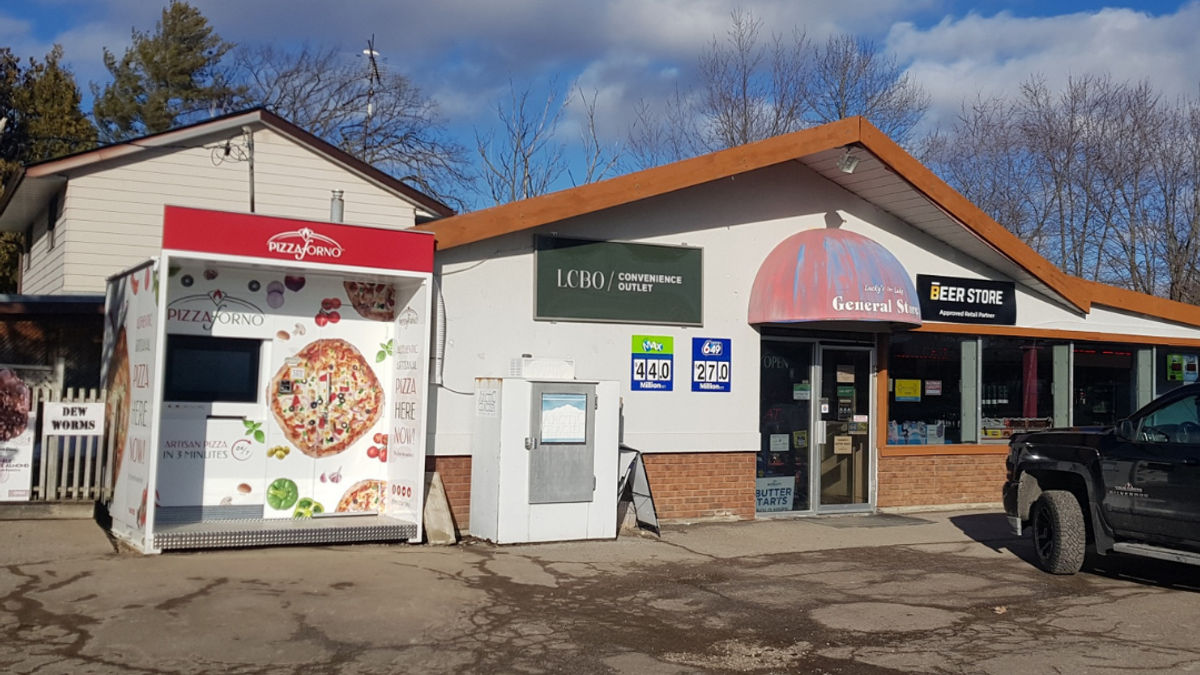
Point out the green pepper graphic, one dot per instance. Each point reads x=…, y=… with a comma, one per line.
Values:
x=282, y=493
x=305, y=508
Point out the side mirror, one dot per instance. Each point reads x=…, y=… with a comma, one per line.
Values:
x=1125, y=429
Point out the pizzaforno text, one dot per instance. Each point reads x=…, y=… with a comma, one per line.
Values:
x=302, y=250
x=629, y=282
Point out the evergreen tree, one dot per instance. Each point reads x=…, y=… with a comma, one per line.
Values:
x=165, y=78
x=42, y=120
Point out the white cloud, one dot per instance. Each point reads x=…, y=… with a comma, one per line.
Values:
x=992, y=55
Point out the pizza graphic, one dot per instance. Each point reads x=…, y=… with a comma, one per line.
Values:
x=365, y=496
x=14, y=405
x=116, y=400
x=376, y=302
x=325, y=397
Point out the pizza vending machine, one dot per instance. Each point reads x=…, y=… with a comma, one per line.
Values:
x=289, y=384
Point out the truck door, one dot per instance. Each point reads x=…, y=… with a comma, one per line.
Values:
x=1164, y=478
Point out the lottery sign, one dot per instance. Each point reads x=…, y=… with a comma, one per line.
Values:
x=653, y=363
x=711, y=364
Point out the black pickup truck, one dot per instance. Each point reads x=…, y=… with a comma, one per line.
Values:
x=1133, y=488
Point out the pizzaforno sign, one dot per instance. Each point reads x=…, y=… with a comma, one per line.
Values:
x=583, y=280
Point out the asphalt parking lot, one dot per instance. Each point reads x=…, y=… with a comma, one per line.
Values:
x=925, y=592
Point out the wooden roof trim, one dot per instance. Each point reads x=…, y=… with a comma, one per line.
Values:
x=529, y=213
x=978, y=222
x=1141, y=303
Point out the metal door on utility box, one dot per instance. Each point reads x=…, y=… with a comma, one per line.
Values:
x=561, y=445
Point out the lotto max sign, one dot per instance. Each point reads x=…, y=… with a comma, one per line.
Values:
x=652, y=363
x=959, y=300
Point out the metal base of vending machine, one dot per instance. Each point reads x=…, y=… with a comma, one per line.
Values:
x=244, y=533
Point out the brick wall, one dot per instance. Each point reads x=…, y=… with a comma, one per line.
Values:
x=456, y=478
x=702, y=484
x=940, y=479
x=699, y=485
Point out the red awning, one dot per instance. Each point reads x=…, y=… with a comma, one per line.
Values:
x=832, y=275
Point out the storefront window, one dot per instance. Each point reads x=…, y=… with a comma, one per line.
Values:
x=1174, y=367
x=1104, y=384
x=1016, y=393
x=925, y=374
x=786, y=397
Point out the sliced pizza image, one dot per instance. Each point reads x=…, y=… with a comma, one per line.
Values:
x=365, y=496
x=376, y=302
x=325, y=397
x=116, y=400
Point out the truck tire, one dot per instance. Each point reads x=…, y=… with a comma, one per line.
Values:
x=1059, y=533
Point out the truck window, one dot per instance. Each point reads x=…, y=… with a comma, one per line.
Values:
x=1178, y=422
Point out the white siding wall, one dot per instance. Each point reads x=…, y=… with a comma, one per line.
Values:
x=488, y=293
x=112, y=218
x=42, y=268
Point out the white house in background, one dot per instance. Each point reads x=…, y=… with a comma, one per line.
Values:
x=90, y=215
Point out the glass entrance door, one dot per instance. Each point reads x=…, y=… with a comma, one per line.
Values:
x=844, y=447
x=783, y=477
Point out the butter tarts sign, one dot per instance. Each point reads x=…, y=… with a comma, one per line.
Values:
x=304, y=243
x=962, y=300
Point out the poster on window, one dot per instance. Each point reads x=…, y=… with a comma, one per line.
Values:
x=908, y=390
x=17, y=423
x=774, y=493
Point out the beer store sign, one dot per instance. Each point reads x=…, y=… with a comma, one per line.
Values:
x=960, y=300
x=583, y=280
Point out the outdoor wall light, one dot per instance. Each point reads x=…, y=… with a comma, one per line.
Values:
x=848, y=162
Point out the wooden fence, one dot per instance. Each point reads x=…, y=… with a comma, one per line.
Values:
x=71, y=468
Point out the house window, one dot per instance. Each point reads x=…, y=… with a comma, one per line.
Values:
x=52, y=220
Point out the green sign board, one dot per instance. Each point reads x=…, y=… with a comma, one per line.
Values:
x=584, y=280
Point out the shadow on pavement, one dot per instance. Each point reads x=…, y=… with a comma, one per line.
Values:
x=1145, y=571
x=992, y=530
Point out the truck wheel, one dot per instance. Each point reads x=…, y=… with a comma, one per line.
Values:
x=1059, y=535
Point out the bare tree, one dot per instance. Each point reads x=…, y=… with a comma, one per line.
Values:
x=525, y=159
x=985, y=156
x=752, y=88
x=527, y=156
x=377, y=115
x=852, y=76
x=1101, y=177
x=661, y=135
x=599, y=159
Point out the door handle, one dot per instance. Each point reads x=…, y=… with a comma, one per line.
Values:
x=1191, y=461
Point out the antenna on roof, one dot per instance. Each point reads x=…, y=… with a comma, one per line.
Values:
x=373, y=79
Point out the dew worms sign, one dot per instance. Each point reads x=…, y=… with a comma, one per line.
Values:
x=583, y=280
x=967, y=300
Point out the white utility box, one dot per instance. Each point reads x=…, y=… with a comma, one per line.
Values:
x=544, y=460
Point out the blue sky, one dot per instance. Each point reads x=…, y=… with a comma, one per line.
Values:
x=463, y=53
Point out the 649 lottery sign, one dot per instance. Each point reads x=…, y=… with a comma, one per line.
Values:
x=710, y=364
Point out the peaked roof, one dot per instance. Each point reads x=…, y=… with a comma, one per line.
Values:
x=47, y=175
x=887, y=176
